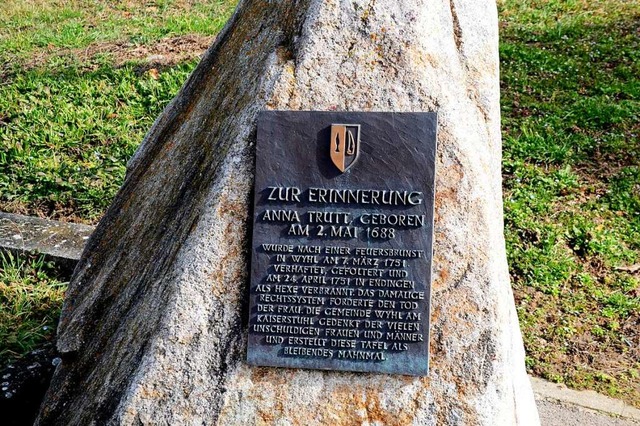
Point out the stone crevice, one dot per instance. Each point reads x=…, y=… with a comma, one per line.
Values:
x=457, y=28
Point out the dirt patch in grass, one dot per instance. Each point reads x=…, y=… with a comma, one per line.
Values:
x=162, y=53
x=47, y=209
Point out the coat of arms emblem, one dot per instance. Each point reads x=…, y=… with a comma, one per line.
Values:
x=344, y=145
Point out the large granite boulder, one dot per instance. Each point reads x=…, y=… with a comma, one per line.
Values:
x=153, y=330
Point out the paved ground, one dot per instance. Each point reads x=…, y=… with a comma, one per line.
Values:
x=560, y=406
x=557, y=414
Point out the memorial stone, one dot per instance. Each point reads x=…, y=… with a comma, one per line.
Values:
x=154, y=329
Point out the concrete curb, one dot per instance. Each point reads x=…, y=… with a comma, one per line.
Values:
x=588, y=399
x=59, y=241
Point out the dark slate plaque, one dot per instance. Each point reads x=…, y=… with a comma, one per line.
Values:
x=342, y=241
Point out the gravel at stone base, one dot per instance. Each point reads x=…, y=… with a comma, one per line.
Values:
x=23, y=384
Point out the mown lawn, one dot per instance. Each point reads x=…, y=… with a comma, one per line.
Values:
x=81, y=82
x=571, y=109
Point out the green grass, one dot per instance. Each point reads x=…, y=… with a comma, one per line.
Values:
x=72, y=114
x=68, y=133
x=28, y=27
x=31, y=295
x=571, y=104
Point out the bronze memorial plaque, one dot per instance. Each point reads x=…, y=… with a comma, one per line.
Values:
x=342, y=241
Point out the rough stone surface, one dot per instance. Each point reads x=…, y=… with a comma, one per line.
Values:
x=154, y=326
